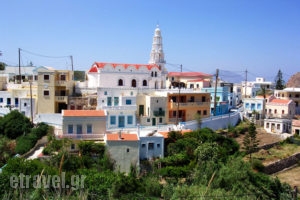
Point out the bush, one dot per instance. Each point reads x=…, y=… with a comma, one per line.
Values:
x=257, y=165
x=25, y=143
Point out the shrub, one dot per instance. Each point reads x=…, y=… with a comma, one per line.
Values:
x=257, y=165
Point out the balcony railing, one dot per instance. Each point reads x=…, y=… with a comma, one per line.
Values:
x=190, y=104
x=61, y=98
x=127, y=107
x=159, y=113
x=282, y=116
x=81, y=136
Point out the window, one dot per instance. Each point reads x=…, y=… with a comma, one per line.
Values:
x=113, y=120
x=155, y=74
x=148, y=120
x=25, y=104
x=150, y=146
x=191, y=85
x=16, y=101
x=143, y=145
x=267, y=125
x=62, y=77
x=160, y=120
x=158, y=145
x=116, y=101
x=128, y=101
x=144, y=83
x=151, y=74
x=247, y=105
x=46, y=93
x=108, y=101
x=204, y=112
x=258, y=106
x=129, y=120
x=120, y=82
x=127, y=150
x=79, y=129
x=105, y=92
x=89, y=128
x=278, y=126
x=72, y=146
x=1, y=100
x=282, y=111
x=70, y=128
x=275, y=111
x=133, y=83
x=199, y=112
x=46, y=77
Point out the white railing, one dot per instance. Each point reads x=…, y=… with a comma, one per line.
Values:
x=81, y=136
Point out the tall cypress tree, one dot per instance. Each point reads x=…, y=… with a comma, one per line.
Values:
x=250, y=141
x=279, y=82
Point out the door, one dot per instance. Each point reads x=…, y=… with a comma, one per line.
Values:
x=153, y=121
x=141, y=110
x=121, y=121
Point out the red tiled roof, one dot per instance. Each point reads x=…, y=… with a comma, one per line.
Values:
x=189, y=74
x=124, y=136
x=280, y=101
x=296, y=123
x=83, y=113
x=100, y=65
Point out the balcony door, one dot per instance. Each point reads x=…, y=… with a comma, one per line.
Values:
x=121, y=122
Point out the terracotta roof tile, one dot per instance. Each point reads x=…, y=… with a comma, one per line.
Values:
x=280, y=101
x=296, y=123
x=124, y=136
x=84, y=113
x=101, y=65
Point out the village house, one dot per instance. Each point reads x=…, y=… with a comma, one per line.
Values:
x=79, y=125
x=124, y=149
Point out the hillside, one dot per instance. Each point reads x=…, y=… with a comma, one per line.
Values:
x=294, y=80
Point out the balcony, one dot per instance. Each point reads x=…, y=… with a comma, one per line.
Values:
x=81, y=136
x=189, y=104
x=61, y=99
x=159, y=113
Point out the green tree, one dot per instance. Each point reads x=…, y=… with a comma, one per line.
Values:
x=279, y=82
x=15, y=124
x=250, y=141
x=2, y=66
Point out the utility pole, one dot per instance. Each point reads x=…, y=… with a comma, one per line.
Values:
x=20, y=77
x=31, y=109
x=73, y=78
x=178, y=101
x=215, y=97
x=246, y=83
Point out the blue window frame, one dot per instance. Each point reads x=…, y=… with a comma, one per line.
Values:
x=70, y=128
x=89, y=128
x=1, y=100
x=128, y=101
x=79, y=129
x=116, y=101
x=129, y=120
x=108, y=101
x=258, y=106
x=113, y=120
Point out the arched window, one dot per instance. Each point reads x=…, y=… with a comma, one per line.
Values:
x=133, y=83
x=155, y=74
x=144, y=82
x=151, y=74
x=120, y=83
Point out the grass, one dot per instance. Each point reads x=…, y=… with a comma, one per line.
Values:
x=276, y=153
x=289, y=176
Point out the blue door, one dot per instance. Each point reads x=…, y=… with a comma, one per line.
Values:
x=121, y=121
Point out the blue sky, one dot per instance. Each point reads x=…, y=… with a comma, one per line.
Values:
x=261, y=36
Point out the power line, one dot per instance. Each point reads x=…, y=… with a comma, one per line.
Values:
x=45, y=56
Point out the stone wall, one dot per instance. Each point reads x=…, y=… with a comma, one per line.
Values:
x=282, y=164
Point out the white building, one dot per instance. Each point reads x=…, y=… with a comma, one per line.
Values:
x=250, y=88
x=151, y=145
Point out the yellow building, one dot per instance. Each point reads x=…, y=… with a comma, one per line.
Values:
x=54, y=87
x=182, y=107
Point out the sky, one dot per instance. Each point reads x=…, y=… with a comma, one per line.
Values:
x=260, y=36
